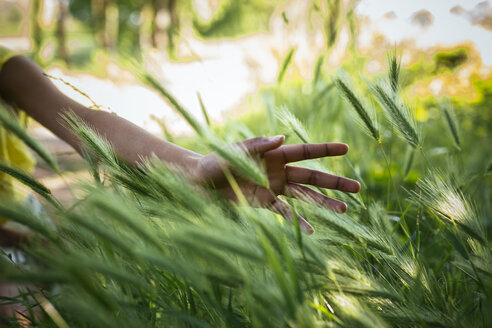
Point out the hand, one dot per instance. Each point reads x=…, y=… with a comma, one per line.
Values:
x=284, y=179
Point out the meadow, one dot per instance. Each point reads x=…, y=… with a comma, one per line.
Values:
x=142, y=247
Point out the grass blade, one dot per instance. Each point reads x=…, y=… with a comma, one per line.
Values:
x=366, y=115
x=292, y=123
x=397, y=113
x=149, y=79
x=408, y=161
x=317, y=69
x=452, y=124
x=96, y=145
x=285, y=65
x=204, y=109
x=394, y=67
x=29, y=181
x=9, y=122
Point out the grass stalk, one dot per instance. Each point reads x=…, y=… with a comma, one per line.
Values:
x=397, y=113
x=452, y=124
x=391, y=180
x=30, y=182
x=366, y=115
x=9, y=122
x=204, y=109
x=394, y=68
x=285, y=65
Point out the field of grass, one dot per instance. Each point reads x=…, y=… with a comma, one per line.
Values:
x=144, y=248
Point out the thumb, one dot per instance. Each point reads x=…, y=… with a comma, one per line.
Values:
x=260, y=145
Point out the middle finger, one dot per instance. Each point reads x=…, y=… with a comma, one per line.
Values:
x=301, y=152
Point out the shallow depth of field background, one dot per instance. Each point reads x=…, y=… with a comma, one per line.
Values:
x=229, y=50
x=414, y=247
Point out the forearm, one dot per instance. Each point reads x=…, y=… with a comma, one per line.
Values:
x=23, y=84
x=131, y=142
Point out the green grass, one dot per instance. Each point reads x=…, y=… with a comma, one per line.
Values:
x=144, y=248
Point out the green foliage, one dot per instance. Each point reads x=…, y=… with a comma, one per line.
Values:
x=452, y=125
x=332, y=21
x=10, y=19
x=204, y=110
x=394, y=67
x=93, y=15
x=11, y=124
x=293, y=124
x=398, y=113
x=235, y=18
x=451, y=59
x=231, y=153
x=285, y=65
x=143, y=247
x=29, y=181
x=364, y=112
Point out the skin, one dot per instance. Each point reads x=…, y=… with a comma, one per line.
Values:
x=23, y=85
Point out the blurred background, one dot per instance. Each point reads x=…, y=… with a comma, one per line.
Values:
x=231, y=51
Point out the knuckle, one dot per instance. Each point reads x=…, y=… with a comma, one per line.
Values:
x=313, y=177
x=284, y=155
x=340, y=184
x=327, y=149
x=306, y=151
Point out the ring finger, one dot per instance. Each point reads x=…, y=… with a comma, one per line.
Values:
x=320, y=179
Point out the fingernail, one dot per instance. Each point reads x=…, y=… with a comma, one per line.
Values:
x=277, y=138
x=305, y=226
x=342, y=208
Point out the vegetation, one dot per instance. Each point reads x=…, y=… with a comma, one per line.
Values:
x=143, y=247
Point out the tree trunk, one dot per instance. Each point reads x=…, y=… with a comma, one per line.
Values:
x=155, y=6
x=173, y=27
x=36, y=30
x=99, y=18
x=60, y=31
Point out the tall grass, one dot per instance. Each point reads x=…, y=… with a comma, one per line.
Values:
x=398, y=113
x=285, y=64
x=233, y=154
x=452, y=124
x=394, y=69
x=10, y=123
x=366, y=114
x=143, y=247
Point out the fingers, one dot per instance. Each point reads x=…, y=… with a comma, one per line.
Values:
x=281, y=207
x=320, y=179
x=260, y=145
x=312, y=196
x=295, y=153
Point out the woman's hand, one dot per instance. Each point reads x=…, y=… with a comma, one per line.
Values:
x=284, y=179
x=23, y=84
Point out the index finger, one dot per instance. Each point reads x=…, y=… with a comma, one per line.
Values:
x=301, y=152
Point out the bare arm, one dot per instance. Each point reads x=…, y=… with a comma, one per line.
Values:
x=23, y=84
